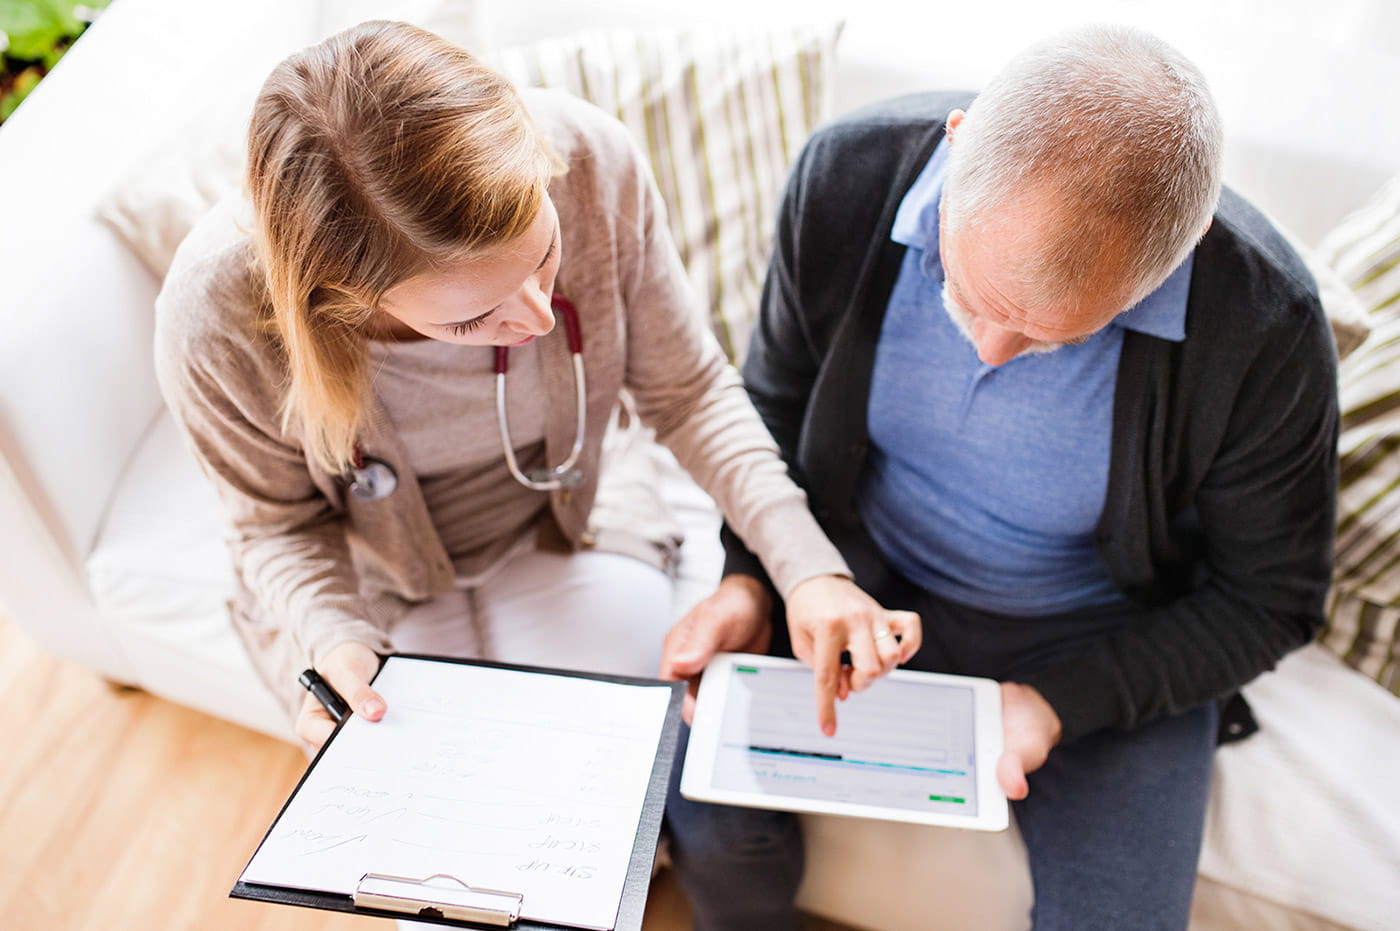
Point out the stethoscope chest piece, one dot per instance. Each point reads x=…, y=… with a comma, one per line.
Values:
x=372, y=480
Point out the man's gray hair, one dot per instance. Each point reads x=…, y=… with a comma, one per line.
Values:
x=1119, y=130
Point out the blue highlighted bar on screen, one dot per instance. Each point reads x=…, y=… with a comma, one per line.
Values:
x=838, y=758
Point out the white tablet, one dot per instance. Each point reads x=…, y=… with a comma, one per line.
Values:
x=915, y=746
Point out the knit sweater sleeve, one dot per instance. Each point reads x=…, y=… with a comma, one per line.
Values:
x=221, y=383
x=822, y=298
x=781, y=364
x=686, y=390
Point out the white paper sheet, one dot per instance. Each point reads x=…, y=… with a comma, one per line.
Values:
x=523, y=782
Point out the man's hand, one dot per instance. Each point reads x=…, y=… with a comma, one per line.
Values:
x=830, y=614
x=735, y=618
x=348, y=667
x=1030, y=728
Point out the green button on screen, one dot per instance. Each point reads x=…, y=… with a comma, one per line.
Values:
x=947, y=798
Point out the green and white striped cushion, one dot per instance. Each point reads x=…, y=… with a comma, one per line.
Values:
x=1364, y=609
x=721, y=114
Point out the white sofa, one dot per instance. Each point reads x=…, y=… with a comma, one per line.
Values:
x=111, y=542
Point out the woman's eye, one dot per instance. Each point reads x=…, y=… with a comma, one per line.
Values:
x=466, y=326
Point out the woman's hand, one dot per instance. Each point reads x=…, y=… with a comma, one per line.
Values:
x=1030, y=728
x=830, y=614
x=734, y=619
x=348, y=667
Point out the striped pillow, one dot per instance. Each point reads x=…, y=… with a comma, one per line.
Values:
x=721, y=114
x=1364, y=609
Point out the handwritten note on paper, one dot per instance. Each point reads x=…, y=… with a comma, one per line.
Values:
x=522, y=782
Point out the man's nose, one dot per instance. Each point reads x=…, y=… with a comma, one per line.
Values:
x=997, y=346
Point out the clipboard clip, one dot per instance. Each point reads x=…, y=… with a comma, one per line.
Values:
x=438, y=896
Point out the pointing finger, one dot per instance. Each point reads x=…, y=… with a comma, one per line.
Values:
x=826, y=664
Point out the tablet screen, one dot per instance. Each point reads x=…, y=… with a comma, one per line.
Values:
x=915, y=746
x=898, y=744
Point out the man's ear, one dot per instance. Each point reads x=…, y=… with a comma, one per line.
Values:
x=951, y=126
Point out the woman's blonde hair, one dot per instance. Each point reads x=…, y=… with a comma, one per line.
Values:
x=373, y=156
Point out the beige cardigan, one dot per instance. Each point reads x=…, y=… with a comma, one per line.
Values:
x=316, y=567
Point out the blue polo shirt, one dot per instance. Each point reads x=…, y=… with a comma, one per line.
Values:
x=985, y=484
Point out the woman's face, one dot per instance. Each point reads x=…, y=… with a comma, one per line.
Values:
x=499, y=297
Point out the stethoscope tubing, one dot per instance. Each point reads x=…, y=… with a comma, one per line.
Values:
x=373, y=479
x=564, y=475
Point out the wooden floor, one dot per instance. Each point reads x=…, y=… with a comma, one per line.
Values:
x=119, y=810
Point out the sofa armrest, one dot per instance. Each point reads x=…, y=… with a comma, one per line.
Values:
x=77, y=383
x=77, y=391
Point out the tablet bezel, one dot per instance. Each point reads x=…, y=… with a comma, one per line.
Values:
x=705, y=732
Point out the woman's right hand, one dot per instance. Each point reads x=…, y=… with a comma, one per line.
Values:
x=348, y=667
x=828, y=615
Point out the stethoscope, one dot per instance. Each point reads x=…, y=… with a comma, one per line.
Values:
x=372, y=479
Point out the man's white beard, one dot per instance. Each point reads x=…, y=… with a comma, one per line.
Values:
x=963, y=321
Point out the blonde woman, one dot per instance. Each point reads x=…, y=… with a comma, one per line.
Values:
x=330, y=347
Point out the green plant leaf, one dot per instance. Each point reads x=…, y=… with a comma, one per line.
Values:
x=21, y=16
x=40, y=29
x=25, y=82
x=36, y=31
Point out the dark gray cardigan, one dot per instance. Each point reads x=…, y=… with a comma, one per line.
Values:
x=1218, y=520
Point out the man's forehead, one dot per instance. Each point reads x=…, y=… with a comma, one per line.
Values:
x=991, y=269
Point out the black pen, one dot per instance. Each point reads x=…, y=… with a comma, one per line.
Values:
x=328, y=697
x=846, y=654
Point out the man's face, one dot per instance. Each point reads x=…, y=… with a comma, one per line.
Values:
x=995, y=309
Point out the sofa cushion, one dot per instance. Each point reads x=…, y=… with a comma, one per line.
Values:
x=720, y=113
x=160, y=558
x=1303, y=813
x=1364, y=606
x=160, y=576
x=156, y=204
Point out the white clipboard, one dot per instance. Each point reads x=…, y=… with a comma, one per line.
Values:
x=489, y=795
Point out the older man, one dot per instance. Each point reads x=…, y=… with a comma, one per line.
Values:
x=1050, y=388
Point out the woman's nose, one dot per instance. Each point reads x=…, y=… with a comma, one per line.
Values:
x=533, y=316
x=997, y=346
